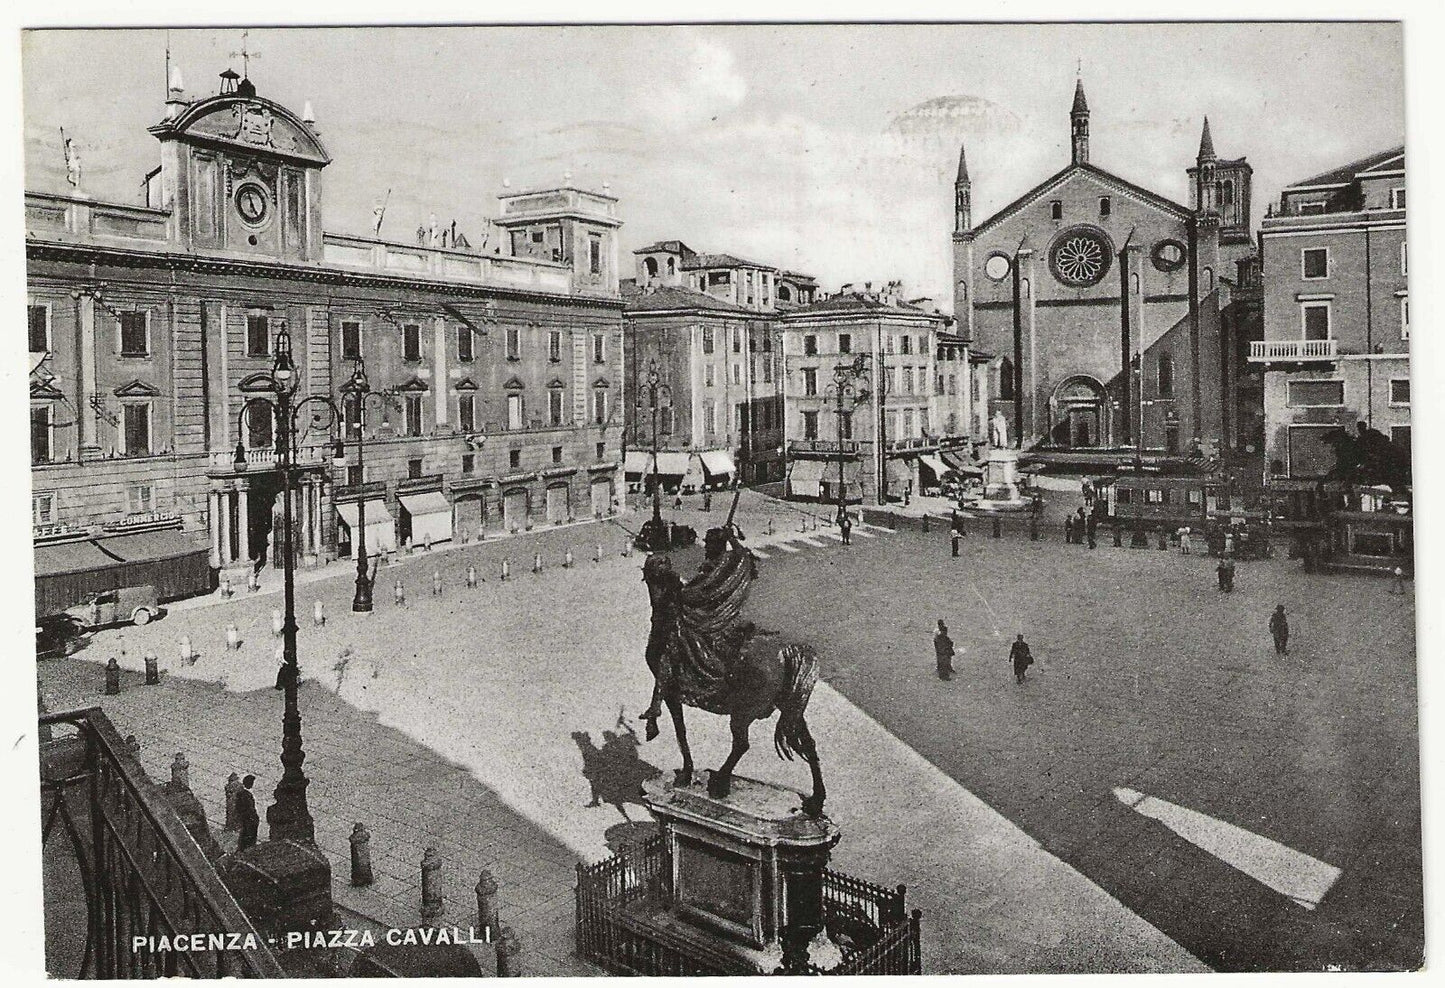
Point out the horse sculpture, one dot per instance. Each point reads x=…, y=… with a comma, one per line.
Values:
x=702, y=655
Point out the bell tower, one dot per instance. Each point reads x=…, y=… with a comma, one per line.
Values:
x=1079, y=124
x=962, y=195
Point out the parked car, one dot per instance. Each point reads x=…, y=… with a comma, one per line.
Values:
x=127, y=605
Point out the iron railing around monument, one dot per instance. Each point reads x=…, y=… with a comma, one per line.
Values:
x=614, y=897
x=141, y=872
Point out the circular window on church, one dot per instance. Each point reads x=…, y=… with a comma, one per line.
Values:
x=1081, y=256
x=252, y=202
x=1169, y=255
x=997, y=266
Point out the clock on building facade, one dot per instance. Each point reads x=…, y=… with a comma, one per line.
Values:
x=1081, y=256
x=252, y=203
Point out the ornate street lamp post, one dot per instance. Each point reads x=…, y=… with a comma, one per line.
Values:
x=358, y=389
x=288, y=817
x=847, y=387
x=654, y=532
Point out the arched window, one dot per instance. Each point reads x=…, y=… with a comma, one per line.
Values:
x=785, y=294
x=963, y=292
x=672, y=265
x=1208, y=280
x=1006, y=379
x=1226, y=193
x=650, y=266
x=1133, y=284
x=1166, y=376
x=1023, y=288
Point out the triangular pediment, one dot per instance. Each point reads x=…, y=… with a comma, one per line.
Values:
x=1105, y=182
x=465, y=384
x=514, y=384
x=45, y=391
x=137, y=389
x=556, y=382
x=413, y=385
x=601, y=382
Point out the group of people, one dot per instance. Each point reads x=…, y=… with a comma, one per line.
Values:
x=1081, y=525
x=1019, y=654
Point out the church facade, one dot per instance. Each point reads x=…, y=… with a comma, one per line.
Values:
x=1109, y=309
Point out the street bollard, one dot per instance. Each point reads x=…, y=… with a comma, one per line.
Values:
x=597, y=557
x=507, y=947
x=997, y=527
x=361, y=856
x=770, y=526
x=180, y=771
x=426, y=543
x=398, y=594
x=233, y=638
x=318, y=614
x=226, y=588
x=436, y=583
x=567, y=559
x=431, y=893
x=277, y=622
x=537, y=562
x=188, y=655
x=471, y=577
x=253, y=582
x=153, y=670
x=925, y=523
x=1118, y=536
x=233, y=786
x=506, y=569
x=486, y=901
x=112, y=677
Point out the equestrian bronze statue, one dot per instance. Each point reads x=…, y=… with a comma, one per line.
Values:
x=703, y=655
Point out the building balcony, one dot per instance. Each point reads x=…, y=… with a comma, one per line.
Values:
x=823, y=447
x=1291, y=351
x=263, y=459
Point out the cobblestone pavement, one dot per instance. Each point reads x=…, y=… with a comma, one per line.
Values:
x=1149, y=679
x=508, y=743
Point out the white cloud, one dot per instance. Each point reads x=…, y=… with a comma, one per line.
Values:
x=696, y=79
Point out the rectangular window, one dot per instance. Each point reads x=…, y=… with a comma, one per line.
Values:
x=1404, y=260
x=1405, y=317
x=810, y=425
x=888, y=343
x=514, y=412
x=1106, y=205
x=1397, y=198
x=906, y=344
x=737, y=340
x=40, y=443
x=810, y=381
x=137, y=429
x=467, y=413
x=351, y=411
x=465, y=352
x=810, y=345
x=767, y=342
x=709, y=417
x=258, y=336
x=767, y=372
x=599, y=406
x=260, y=432
x=1154, y=496
x=1124, y=495
x=907, y=379
x=599, y=348
x=514, y=458
x=907, y=423
x=554, y=346
x=469, y=462
x=708, y=376
x=845, y=342
x=737, y=373
x=1311, y=208
x=601, y=452
x=514, y=343
x=413, y=415
x=411, y=342
x=1399, y=391
x=594, y=254
x=134, y=334
x=556, y=455
x=1315, y=319
x=1315, y=263
x=1315, y=394
x=38, y=317
x=351, y=340
x=42, y=508
x=554, y=406
x=354, y=476
x=140, y=499
x=413, y=468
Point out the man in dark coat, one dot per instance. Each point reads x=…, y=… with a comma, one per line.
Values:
x=1069, y=529
x=956, y=531
x=943, y=651
x=1021, y=658
x=1279, y=630
x=1228, y=575
x=845, y=527
x=246, y=814
x=1219, y=571
x=1092, y=525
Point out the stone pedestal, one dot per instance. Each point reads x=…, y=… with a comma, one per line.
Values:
x=1000, y=481
x=283, y=885
x=747, y=872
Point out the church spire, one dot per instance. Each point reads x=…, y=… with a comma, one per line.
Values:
x=1079, y=124
x=962, y=165
x=962, y=195
x=1206, y=144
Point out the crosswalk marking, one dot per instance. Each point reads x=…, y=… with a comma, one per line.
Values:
x=810, y=540
x=784, y=546
x=831, y=535
x=760, y=554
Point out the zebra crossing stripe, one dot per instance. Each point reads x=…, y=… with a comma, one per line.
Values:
x=760, y=554
x=785, y=547
x=831, y=535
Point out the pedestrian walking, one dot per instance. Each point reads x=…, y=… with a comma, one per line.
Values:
x=943, y=651
x=1069, y=529
x=1184, y=536
x=1397, y=581
x=707, y=500
x=1228, y=575
x=246, y=815
x=956, y=532
x=845, y=527
x=1021, y=657
x=1279, y=630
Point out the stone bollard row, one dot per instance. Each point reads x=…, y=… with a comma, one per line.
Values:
x=112, y=677
x=486, y=900
x=153, y=669
x=436, y=583
x=318, y=614
x=471, y=577
x=398, y=594
x=431, y=892
x=233, y=638
x=361, y=874
x=508, y=946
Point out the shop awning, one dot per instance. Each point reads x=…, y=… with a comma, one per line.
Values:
x=674, y=464
x=431, y=516
x=70, y=557
x=935, y=464
x=143, y=547
x=718, y=462
x=380, y=526
x=900, y=473
x=805, y=476
x=638, y=462
x=959, y=462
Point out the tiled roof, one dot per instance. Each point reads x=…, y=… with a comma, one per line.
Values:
x=721, y=261
x=670, y=246
x=1346, y=174
x=854, y=302
x=674, y=298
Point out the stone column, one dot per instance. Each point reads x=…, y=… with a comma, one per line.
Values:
x=439, y=377
x=243, y=527
x=214, y=520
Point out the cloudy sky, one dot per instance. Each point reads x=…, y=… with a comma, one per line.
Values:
x=826, y=149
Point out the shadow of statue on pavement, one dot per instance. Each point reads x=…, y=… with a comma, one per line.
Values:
x=614, y=770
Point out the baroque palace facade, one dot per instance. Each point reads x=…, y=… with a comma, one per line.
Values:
x=152, y=325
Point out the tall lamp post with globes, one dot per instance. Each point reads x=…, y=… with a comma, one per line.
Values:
x=847, y=387
x=358, y=390
x=654, y=536
x=288, y=817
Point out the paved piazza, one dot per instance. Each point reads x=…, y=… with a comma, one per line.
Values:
x=1163, y=793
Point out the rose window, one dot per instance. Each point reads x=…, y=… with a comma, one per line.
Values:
x=1081, y=257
